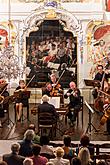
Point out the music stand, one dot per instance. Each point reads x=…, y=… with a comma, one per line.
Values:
x=91, y=111
x=92, y=82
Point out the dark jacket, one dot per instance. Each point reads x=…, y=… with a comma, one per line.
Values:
x=48, y=108
x=25, y=148
x=13, y=158
x=74, y=101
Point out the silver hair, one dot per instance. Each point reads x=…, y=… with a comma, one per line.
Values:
x=28, y=161
x=45, y=98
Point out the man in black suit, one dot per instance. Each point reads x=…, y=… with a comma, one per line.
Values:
x=49, y=108
x=14, y=158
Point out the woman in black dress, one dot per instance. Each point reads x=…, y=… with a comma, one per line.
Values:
x=19, y=101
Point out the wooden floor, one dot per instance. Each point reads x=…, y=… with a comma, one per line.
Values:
x=14, y=131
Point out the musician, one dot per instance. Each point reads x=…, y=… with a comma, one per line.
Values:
x=20, y=100
x=56, y=87
x=100, y=73
x=49, y=108
x=75, y=102
x=3, y=106
x=100, y=76
x=47, y=90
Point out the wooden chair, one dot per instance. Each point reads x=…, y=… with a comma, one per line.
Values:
x=25, y=107
x=45, y=122
x=101, y=157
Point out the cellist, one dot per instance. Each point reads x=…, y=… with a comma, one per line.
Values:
x=102, y=76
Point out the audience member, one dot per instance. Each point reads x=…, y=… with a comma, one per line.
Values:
x=59, y=157
x=37, y=159
x=49, y=163
x=102, y=162
x=36, y=138
x=84, y=156
x=26, y=144
x=85, y=142
x=28, y=161
x=69, y=153
x=76, y=161
x=45, y=148
x=3, y=163
x=13, y=158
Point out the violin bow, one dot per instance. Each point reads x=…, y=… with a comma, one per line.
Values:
x=3, y=90
x=30, y=81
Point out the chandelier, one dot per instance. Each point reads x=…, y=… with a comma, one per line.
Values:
x=11, y=65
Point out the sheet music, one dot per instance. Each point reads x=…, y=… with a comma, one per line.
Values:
x=53, y=65
x=55, y=101
x=89, y=107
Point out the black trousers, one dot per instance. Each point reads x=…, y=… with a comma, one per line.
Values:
x=108, y=126
x=73, y=112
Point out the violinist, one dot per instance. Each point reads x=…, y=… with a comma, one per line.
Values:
x=3, y=93
x=75, y=102
x=20, y=100
x=47, y=90
x=56, y=87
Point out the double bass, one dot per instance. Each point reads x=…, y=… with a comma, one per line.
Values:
x=102, y=92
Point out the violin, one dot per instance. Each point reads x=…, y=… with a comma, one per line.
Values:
x=56, y=91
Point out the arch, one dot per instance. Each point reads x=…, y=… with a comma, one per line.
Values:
x=33, y=21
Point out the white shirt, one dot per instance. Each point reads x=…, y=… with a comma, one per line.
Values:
x=60, y=161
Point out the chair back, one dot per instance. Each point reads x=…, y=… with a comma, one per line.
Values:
x=45, y=118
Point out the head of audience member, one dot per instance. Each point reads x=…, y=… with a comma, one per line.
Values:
x=49, y=163
x=44, y=140
x=101, y=162
x=29, y=135
x=84, y=156
x=100, y=69
x=53, y=78
x=45, y=98
x=49, y=86
x=72, y=85
x=32, y=127
x=59, y=152
x=28, y=161
x=85, y=140
x=22, y=84
x=15, y=148
x=67, y=140
x=36, y=149
x=76, y=161
x=3, y=163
